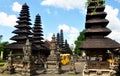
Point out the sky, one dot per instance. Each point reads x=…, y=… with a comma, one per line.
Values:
x=68, y=15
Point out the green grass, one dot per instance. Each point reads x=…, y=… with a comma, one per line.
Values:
x=2, y=64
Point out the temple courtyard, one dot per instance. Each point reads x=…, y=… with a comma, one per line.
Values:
x=32, y=55
x=78, y=65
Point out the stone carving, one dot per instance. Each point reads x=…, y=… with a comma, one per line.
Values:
x=11, y=68
x=27, y=51
x=28, y=65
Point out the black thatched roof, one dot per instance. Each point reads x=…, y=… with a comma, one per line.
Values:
x=37, y=31
x=23, y=32
x=96, y=30
x=99, y=43
x=40, y=47
x=14, y=46
x=18, y=46
x=92, y=30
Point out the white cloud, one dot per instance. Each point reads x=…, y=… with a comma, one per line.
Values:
x=118, y=1
x=65, y=4
x=48, y=37
x=16, y=7
x=115, y=35
x=70, y=33
x=64, y=27
x=114, y=22
x=74, y=32
x=112, y=16
x=7, y=20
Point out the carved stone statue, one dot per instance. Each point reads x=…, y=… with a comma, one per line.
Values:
x=28, y=69
x=27, y=51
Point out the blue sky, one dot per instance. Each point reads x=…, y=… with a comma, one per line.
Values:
x=68, y=15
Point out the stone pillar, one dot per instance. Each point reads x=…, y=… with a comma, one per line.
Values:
x=28, y=64
x=59, y=69
x=72, y=69
x=11, y=68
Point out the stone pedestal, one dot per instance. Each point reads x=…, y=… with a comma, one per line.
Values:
x=53, y=65
x=72, y=69
x=28, y=70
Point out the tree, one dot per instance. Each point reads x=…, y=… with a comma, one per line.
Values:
x=1, y=37
x=2, y=48
x=79, y=41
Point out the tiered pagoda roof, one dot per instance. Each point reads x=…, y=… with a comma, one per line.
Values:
x=23, y=32
x=58, y=39
x=64, y=46
x=37, y=39
x=61, y=39
x=67, y=48
x=96, y=30
x=37, y=29
x=22, y=29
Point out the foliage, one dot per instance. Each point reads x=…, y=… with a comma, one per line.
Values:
x=1, y=37
x=79, y=41
x=2, y=48
x=98, y=3
x=2, y=45
x=2, y=63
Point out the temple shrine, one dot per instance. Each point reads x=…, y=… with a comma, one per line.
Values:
x=24, y=32
x=39, y=48
x=97, y=45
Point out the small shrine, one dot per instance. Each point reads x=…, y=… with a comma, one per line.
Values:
x=24, y=31
x=38, y=49
x=53, y=64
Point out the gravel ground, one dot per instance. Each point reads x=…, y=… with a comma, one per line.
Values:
x=78, y=66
